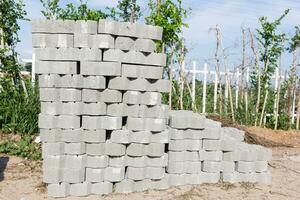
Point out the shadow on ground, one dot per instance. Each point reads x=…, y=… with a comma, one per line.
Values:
x=3, y=163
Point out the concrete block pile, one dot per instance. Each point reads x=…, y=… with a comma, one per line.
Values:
x=102, y=123
x=201, y=151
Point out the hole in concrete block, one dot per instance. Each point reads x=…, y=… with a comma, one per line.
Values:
x=78, y=67
x=80, y=120
x=166, y=148
x=107, y=81
x=108, y=134
x=124, y=121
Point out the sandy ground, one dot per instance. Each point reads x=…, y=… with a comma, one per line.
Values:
x=21, y=180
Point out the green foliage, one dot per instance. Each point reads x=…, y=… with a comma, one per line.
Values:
x=71, y=11
x=295, y=40
x=170, y=15
x=126, y=10
x=24, y=148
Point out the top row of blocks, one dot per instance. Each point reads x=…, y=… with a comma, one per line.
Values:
x=93, y=27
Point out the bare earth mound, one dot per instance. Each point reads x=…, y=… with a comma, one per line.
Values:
x=22, y=180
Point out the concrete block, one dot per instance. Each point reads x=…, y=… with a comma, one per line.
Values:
x=114, y=174
x=68, y=121
x=94, y=175
x=138, y=162
x=228, y=144
x=132, y=110
x=94, y=82
x=139, y=85
x=95, y=149
x=100, y=68
x=56, y=67
x=85, y=26
x=193, y=145
x=234, y=133
x=134, y=57
x=177, y=167
x=176, y=179
x=134, y=149
x=57, y=161
x=52, y=26
x=120, y=136
x=132, y=97
x=263, y=153
x=90, y=54
x=102, y=188
x=117, y=161
x=97, y=161
x=58, y=190
x=81, y=40
x=211, y=144
x=231, y=177
x=75, y=148
x=161, y=111
x=142, y=71
x=52, y=174
x=91, y=95
x=52, y=149
x=192, y=179
x=227, y=166
x=93, y=122
x=212, y=133
x=151, y=98
x=108, y=27
x=211, y=166
x=191, y=134
x=176, y=134
x=125, y=43
x=192, y=156
x=211, y=155
x=193, y=167
x=73, y=175
x=75, y=162
x=144, y=45
x=136, y=124
x=60, y=108
x=155, y=172
x=114, y=149
x=114, y=55
x=161, y=86
x=126, y=29
x=71, y=135
x=50, y=135
x=177, y=145
x=261, y=166
x=142, y=137
x=94, y=136
x=158, y=59
x=52, y=40
x=98, y=108
x=160, y=137
x=161, y=184
x=61, y=54
x=111, y=96
x=247, y=177
x=149, y=32
x=142, y=185
x=80, y=189
x=210, y=177
x=136, y=174
x=177, y=156
x=47, y=121
x=157, y=161
x=54, y=94
x=125, y=186
x=68, y=81
x=264, y=177
x=245, y=166
x=112, y=123
x=155, y=149
x=48, y=80
x=102, y=41
x=186, y=119
x=117, y=109
x=118, y=83
x=155, y=125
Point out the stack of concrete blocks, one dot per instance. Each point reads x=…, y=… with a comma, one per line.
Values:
x=201, y=151
x=102, y=123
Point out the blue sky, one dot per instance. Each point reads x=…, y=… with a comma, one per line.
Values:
x=230, y=15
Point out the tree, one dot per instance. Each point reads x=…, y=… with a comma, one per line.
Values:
x=126, y=10
x=71, y=11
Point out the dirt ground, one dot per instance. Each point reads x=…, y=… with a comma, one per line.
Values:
x=21, y=180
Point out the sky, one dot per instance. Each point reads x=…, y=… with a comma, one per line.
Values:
x=230, y=15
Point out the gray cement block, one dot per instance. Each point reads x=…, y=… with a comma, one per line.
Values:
x=211, y=155
x=234, y=133
x=146, y=124
x=155, y=149
x=231, y=177
x=94, y=136
x=119, y=83
x=193, y=145
x=98, y=108
x=61, y=54
x=60, y=108
x=176, y=134
x=125, y=186
x=227, y=166
x=136, y=174
x=95, y=149
x=93, y=122
x=134, y=149
x=211, y=166
x=139, y=85
x=54, y=94
x=58, y=190
x=192, y=156
x=113, y=55
x=52, y=40
x=52, y=174
x=80, y=189
x=102, y=188
x=50, y=135
x=193, y=167
x=114, y=174
x=261, y=166
x=176, y=179
x=177, y=145
x=57, y=161
x=142, y=71
x=210, y=177
x=247, y=177
x=85, y=26
x=68, y=121
x=111, y=96
x=134, y=57
x=75, y=162
x=245, y=167
x=90, y=54
x=102, y=41
x=52, y=26
x=155, y=172
x=263, y=153
x=52, y=149
x=108, y=27
x=94, y=175
x=264, y=177
x=144, y=45
x=73, y=175
x=192, y=179
x=212, y=133
x=101, y=68
x=132, y=110
x=93, y=82
x=112, y=123
x=162, y=86
x=151, y=98
x=160, y=137
x=114, y=149
x=120, y=136
x=142, y=137
x=211, y=144
x=55, y=67
x=132, y=97
x=126, y=29
x=186, y=119
x=75, y=148
x=91, y=95
x=138, y=162
x=177, y=167
x=136, y=124
x=125, y=43
x=158, y=59
x=117, y=109
x=142, y=185
x=157, y=161
x=81, y=40
x=161, y=111
x=117, y=161
x=161, y=184
x=97, y=161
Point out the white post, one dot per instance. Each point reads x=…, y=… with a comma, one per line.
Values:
x=215, y=92
x=204, y=89
x=276, y=86
x=237, y=88
x=226, y=90
x=294, y=107
x=33, y=68
x=194, y=86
